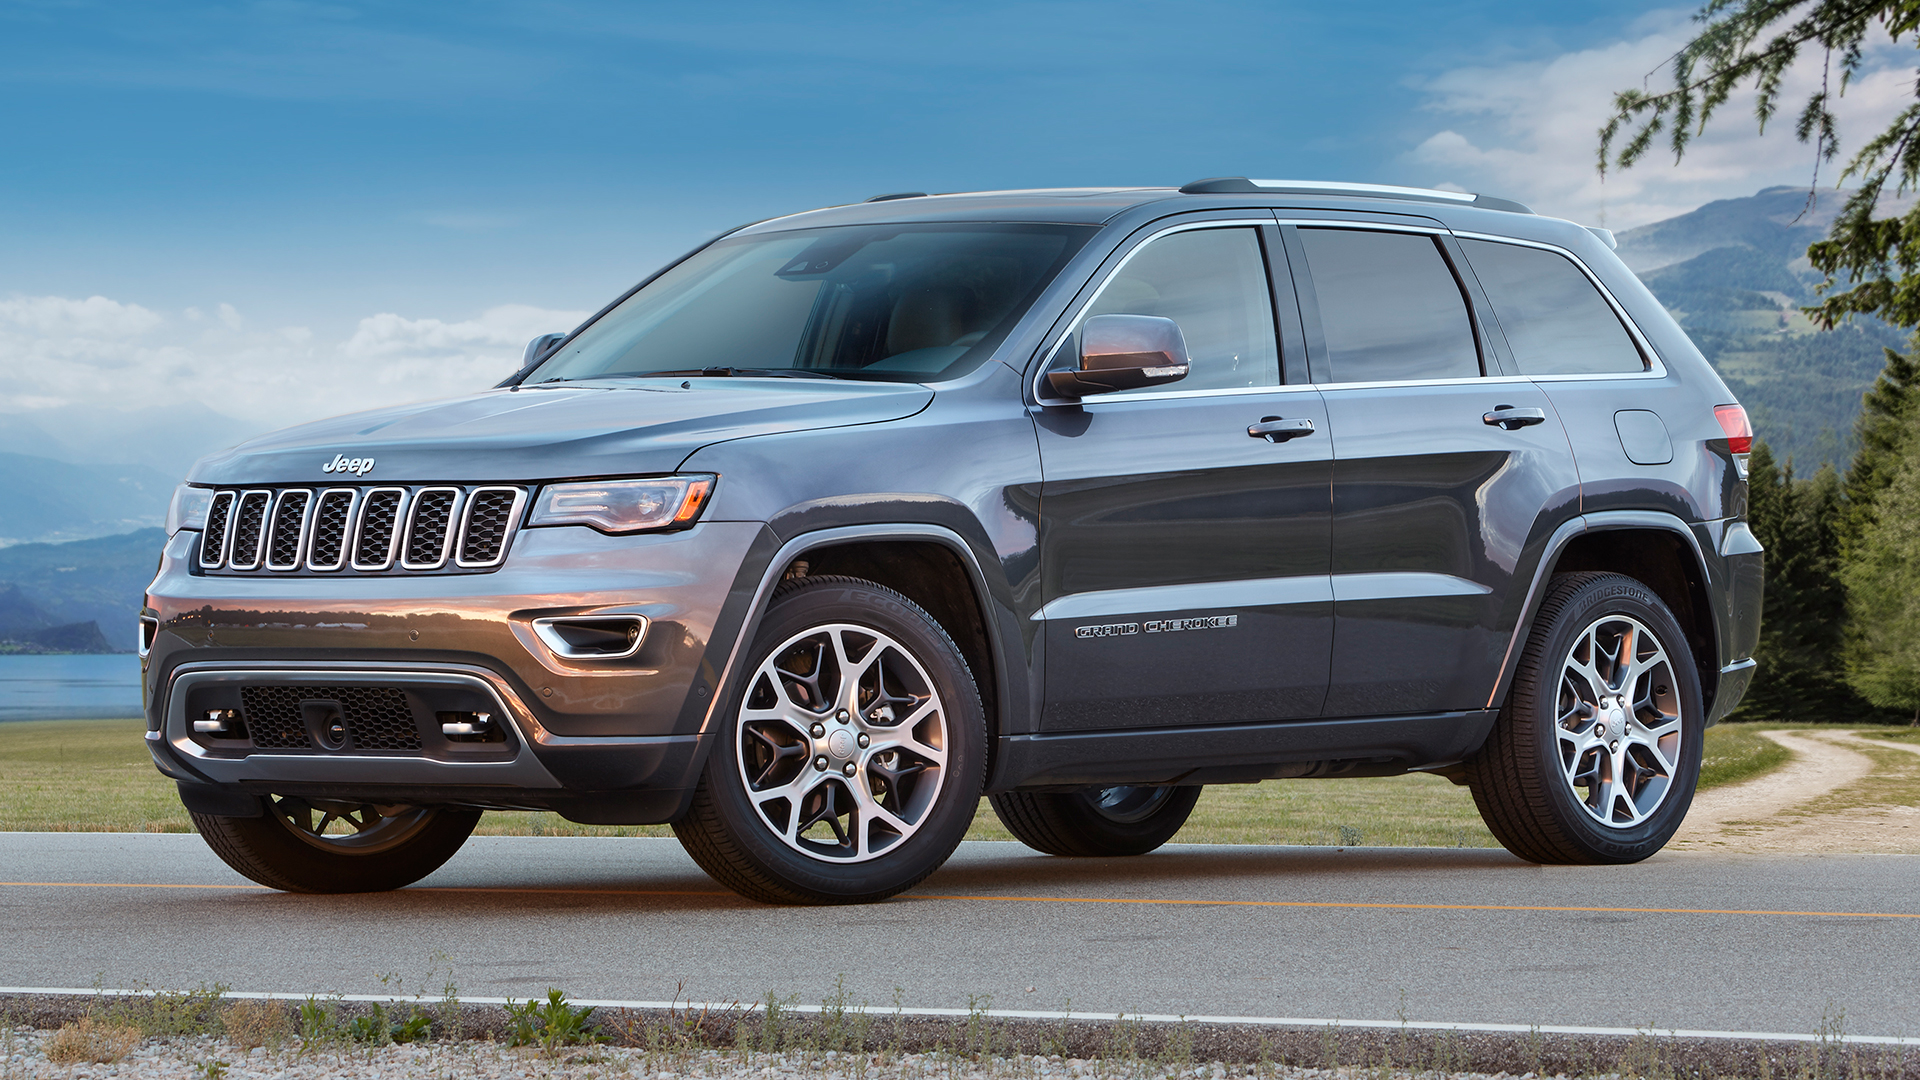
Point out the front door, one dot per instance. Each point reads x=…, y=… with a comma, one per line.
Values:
x=1443, y=474
x=1184, y=561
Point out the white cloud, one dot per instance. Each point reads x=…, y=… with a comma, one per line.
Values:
x=110, y=356
x=1529, y=130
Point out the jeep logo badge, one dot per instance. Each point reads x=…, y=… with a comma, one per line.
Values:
x=359, y=466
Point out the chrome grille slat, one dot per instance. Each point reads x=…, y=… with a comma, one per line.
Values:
x=213, y=541
x=490, y=517
x=430, y=528
x=332, y=523
x=379, y=528
x=441, y=527
x=287, y=540
x=249, y=530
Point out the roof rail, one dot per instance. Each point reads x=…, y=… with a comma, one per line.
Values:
x=1240, y=185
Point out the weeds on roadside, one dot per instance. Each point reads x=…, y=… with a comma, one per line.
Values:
x=87, y=1040
x=251, y=1023
x=549, y=1024
x=166, y=1012
x=319, y=1025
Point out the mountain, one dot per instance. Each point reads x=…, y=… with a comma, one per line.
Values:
x=44, y=587
x=24, y=628
x=46, y=500
x=166, y=440
x=1735, y=273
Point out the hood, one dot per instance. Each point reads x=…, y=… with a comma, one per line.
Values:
x=542, y=433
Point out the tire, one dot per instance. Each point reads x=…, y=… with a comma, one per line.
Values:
x=820, y=790
x=1556, y=782
x=1098, y=821
x=289, y=848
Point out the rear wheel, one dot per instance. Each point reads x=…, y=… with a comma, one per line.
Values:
x=853, y=755
x=327, y=846
x=1595, y=757
x=1120, y=820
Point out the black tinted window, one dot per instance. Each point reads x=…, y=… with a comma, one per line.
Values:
x=1556, y=322
x=1389, y=306
x=1213, y=283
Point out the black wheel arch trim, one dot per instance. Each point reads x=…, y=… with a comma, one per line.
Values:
x=757, y=581
x=1606, y=521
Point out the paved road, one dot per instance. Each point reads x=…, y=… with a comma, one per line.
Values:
x=1282, y=931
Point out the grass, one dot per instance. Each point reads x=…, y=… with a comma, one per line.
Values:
x=96, y=776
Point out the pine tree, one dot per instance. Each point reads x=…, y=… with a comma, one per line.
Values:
x=1882, y=575
x=1884, y=416
x=1801, y=674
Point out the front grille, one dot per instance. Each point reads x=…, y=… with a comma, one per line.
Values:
x=376, y=717
x=365, y=530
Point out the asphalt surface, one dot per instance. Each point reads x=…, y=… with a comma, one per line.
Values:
x=1737, y=943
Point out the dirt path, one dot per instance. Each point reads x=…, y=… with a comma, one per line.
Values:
x=1782, y=812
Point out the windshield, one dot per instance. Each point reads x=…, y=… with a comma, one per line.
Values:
x=902, y=303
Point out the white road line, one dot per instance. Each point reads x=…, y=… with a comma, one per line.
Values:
x=1038, y=1014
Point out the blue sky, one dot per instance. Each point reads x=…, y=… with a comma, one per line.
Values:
x=261, y=194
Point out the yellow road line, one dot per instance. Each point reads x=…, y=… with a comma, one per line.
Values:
x=1192, y=902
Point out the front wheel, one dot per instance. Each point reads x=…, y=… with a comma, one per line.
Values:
x=1122, y=820
x=852, y=757
x=1595, y=757
x=326, y=846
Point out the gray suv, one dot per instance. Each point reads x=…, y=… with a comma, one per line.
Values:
x=1078, y=499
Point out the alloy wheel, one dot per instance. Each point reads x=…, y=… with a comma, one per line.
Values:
x=1618, y=722
x=842, y=743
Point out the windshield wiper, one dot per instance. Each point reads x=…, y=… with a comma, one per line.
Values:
x=734, y=372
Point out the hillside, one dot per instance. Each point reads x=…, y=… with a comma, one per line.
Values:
x=48, y=587
x=1735, y=273
x=49, y=501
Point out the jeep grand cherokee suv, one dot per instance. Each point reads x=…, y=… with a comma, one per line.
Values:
x=1078, y=499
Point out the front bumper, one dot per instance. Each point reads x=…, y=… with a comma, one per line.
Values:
x=596, y=740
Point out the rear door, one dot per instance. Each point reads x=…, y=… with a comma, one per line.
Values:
x=1445, y=468
x=1184, y=560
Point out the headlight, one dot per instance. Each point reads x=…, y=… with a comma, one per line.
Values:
x=623, y=506
x=189, y=508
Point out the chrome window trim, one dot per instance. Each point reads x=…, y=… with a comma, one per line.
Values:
x=466, y=514
x=300, y=542
x=1376, y=226
x=446, y=542
x=349, y=533
x=1656, y=368
x=1041, y=397
x=1224, y=391
x=226, y=534
x=266, y=529
x=393, y=542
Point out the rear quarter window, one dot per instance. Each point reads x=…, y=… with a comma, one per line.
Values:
x=1556, y=321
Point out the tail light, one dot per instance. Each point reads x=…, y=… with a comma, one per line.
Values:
x=1733, y=421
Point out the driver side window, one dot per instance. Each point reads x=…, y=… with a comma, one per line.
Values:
x=1213, y=283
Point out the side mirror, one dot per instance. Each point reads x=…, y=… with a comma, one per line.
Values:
x=1123, y=352
x=539, y=347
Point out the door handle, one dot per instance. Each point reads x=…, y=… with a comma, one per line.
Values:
x=1512, y=419
x=1274, y=429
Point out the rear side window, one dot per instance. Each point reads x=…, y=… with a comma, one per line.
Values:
x=1213, y=282
x=1390, y=307
x=1556, y=322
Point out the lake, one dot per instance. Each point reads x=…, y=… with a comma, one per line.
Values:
x=69, y=687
